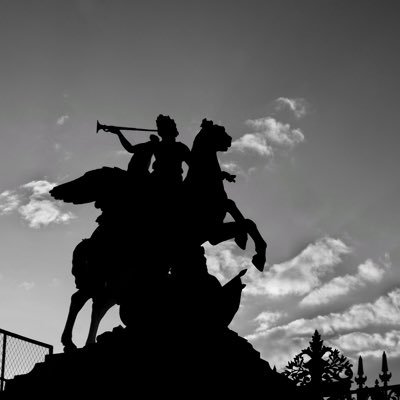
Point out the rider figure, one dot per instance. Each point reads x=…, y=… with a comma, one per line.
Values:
x=169, y=154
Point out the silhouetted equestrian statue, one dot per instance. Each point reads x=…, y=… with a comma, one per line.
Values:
x=173, y=217
x=147, y=256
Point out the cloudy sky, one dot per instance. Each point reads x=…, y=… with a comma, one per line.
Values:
x=309, y=92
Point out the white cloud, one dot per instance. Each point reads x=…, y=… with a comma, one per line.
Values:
x=372, y=344
x=276, y=132
x=269, y=135
x=295, y=277
x=299, y=106
x=253, y=141
x=279, y=344
x=9, y=201
x=385, y=311
x=369, y=272
x=234, y=168
x=230, y=166
x=39, y=188
x=267, y=319
x=279, y=350
x=34, y=204
x=27, y=285
x=222, y=262
x=301, y=274
x=43, y=212
x=62, y=120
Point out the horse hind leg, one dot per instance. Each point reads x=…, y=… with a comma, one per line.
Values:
x=101, y=304
x=230, y=230
x=241, y=231
x=250, y=227
x=78, y=300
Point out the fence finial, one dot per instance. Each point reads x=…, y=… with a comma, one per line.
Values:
x=360, y=379
x=385, y=375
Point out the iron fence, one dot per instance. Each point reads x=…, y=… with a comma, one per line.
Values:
x=391, y=392
x=19, y=354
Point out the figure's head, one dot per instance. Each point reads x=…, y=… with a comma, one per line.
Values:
x=166, y=127
x=215, y=135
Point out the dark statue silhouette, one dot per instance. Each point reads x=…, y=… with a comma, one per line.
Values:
x=146, y=255
x=185, y=214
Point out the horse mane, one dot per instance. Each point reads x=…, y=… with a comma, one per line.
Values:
x=202, y=140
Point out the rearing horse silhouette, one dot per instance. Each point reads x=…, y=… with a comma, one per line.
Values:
x=200, y=209
x=206, y=200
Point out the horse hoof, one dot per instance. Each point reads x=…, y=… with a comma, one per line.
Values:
x=259, y=261
x=69, y=348
x=241, y=240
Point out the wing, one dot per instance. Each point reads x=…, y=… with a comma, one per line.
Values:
x=91, y=186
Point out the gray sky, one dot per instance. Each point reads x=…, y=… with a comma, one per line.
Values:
x=309, y=92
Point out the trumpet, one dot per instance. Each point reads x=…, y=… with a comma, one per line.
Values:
x=110, y=128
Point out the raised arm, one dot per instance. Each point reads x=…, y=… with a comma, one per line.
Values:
x=125, y=143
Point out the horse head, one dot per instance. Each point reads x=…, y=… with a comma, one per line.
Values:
x=212, y=137
x=204, y=167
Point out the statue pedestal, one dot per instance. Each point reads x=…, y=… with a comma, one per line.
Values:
x=155, y=365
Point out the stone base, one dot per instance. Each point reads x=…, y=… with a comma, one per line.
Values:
x=155, y=365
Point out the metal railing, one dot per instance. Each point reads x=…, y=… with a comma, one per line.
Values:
x=19, y=354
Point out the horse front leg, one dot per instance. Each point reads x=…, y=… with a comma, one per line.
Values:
x=225, y=231
x=259, y=258
x=250, y=227
x=241, y=234
x=78, y=300
x=101, y=304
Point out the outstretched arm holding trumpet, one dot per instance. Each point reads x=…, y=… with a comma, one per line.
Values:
x=111, y=128
x=116, y=130
x=142, y=152
x=168, y=152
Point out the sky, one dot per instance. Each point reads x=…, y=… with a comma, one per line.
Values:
x=309, y=92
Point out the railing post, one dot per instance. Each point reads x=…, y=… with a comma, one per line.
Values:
x=3, y=362
x=386, y=375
